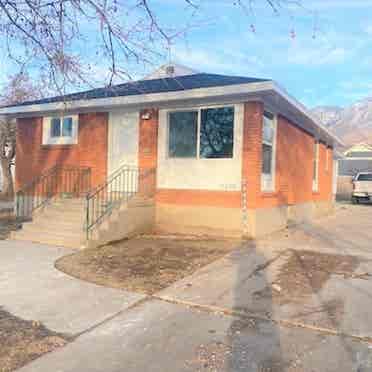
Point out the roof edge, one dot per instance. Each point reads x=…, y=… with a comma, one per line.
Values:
x=280, y=90
x=157, y=98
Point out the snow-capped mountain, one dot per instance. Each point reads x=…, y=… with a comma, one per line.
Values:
x=353, y=124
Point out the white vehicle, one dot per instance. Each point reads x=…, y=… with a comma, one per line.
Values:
x=362, y=187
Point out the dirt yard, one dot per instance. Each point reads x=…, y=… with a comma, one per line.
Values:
x=7, y=225
x=304, y=273
x=144, y=265
x=22, y=341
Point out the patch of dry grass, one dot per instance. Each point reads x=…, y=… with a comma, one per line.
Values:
x=22, y=341
x=143, y=265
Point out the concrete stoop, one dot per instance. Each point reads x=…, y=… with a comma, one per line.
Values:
x=135, y=217
x=62, y=223
x=59, y=223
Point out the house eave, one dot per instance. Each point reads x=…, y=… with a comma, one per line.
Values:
x=238, y=91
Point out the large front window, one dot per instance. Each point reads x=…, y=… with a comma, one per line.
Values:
x=204, y=133
x=268, y=152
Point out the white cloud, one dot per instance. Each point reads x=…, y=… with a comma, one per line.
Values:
x=313, y=56
x=227, y=61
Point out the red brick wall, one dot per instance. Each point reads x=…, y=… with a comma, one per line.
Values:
x=222, y=199
x=34, y=158
x=148, y=150
x=294, y=163
x=325, y=175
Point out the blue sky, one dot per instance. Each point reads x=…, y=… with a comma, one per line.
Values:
x=332, y=68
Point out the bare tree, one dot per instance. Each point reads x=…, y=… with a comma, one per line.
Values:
x=55, y=36
x=7, y=155
x=18, y=89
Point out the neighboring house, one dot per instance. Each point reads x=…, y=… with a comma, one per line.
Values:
x=357, y=158
x=208, y=154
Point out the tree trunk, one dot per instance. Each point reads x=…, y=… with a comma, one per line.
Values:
x=7, y=191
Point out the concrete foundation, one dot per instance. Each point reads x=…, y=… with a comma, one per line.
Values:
x=231, y=222
x=265, y=221
x=132, y=218
x=198, y=220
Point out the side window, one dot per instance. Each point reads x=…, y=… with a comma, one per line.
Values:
x=316, y=166
x=268, y=152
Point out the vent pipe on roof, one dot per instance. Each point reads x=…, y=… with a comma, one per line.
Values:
x=169, y=70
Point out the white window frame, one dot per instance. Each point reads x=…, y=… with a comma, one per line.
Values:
x=61, y=140
x=316, y=179
x=199, y=110
x=328, y=158
x=268, y=180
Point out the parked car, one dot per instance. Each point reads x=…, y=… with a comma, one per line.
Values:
x=362, y=187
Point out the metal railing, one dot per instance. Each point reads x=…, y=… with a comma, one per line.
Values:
x=120, y=187
x=58, y=181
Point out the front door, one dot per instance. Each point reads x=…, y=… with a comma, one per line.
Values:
x=123, y=139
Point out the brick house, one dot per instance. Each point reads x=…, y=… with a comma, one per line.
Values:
x=222, y=156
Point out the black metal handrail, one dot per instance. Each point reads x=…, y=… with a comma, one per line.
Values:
x=119, y=187
x=58, y=180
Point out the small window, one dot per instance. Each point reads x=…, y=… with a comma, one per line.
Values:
x=61, y=127
x=183, y=130
x=61, y=130
x=268, y=152
x=316, y=166
x=217, y=132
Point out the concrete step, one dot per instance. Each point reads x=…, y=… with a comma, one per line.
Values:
x=62, y=214
x=57, y=222
x=60, y=208
x=69, y=203
x=47, y=238
x=60, y=230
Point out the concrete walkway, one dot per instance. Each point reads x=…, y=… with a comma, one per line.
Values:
x=31, y=288
x=215, y=321
x=243, y=281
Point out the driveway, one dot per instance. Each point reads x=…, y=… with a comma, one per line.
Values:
x=299, y=300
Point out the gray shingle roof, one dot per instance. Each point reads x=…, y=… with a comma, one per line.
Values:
x=172, y=84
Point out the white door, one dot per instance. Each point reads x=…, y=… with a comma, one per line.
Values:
x=123, y=139
x=123, y=150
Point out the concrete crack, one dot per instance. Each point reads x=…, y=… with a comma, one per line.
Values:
x=280, y=322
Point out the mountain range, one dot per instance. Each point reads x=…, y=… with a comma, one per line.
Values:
x=352, y=124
